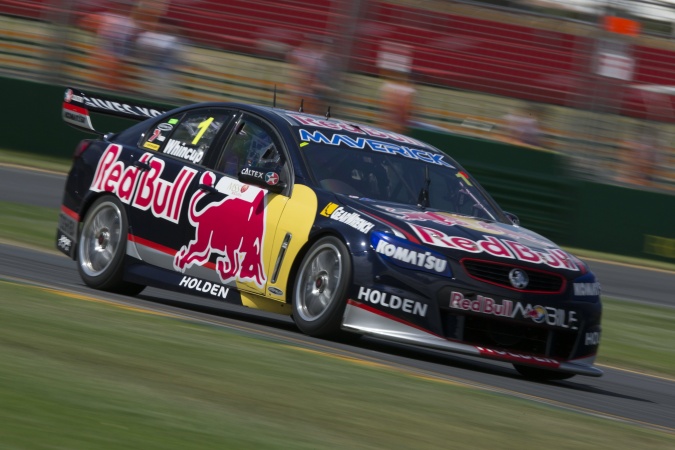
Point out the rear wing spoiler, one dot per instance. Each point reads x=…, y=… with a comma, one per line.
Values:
x=77, y=105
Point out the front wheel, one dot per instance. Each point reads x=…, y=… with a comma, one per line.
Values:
x=537, y=374
x=320, y=291
x=102, y=246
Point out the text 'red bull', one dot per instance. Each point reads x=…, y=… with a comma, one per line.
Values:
x=142, y=189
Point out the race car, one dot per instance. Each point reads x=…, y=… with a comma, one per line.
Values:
x=348, y=228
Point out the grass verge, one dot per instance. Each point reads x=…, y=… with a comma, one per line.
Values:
x=639, y=337
x=36, y=161
x=83, y=374
x=28, y=225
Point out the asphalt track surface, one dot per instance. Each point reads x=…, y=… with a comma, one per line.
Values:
x=621, y=395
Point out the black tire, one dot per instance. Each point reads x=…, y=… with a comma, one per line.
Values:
x=320, y=290
x=102, y=246
x=538, y=374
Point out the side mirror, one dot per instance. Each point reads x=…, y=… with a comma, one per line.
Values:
x=513, y=218
x=264, y=178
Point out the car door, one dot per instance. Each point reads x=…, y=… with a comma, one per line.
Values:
x=231, y=223
x=176, y=147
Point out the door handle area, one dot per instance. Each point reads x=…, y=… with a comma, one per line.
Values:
x=209, y=189
x=142, y=165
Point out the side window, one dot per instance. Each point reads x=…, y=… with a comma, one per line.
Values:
x=187, y=136
x=250, y=145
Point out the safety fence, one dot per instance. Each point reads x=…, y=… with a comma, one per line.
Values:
x=602, y=98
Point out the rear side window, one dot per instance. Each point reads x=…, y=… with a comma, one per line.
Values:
x=252, y=144
x=187, y=136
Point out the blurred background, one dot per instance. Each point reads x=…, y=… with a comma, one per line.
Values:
x=591, y=79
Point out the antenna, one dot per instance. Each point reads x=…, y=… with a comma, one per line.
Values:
x=302, y=104
x=328, y=113
x=274, y=100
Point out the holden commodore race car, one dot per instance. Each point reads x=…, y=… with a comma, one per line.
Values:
x=347, y=228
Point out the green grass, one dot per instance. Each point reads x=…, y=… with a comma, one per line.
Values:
x=639, y=337
x=80, y=374
x=27, y=159
x=28, y=225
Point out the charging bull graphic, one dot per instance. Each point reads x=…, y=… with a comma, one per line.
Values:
x=233, y=229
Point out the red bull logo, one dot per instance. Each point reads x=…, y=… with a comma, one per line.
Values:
x=449, y=219
x=232, y=228
x=145, y=190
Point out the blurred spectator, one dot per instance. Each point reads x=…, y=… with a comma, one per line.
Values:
x=115, y=33
x=522, y=126
x=148, y=13
x=640, y=157
x=158, y=46
x=310, y=78
x=160, y=52
x=397, y=93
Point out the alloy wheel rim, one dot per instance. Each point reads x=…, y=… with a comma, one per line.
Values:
x=318, y=284
x=101, y=238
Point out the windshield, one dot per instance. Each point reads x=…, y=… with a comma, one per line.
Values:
x=392, y=178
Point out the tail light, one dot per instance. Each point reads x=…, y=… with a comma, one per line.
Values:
x=81, y=147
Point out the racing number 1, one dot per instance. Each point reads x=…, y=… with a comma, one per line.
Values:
x=203, y=126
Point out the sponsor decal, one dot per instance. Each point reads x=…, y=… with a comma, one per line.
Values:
x=447, y=219
x=660, y=246
x=499, y=247
x=64, y=242
x=548, y=315
x=592, y=338
x=155, y=135
x=329, y=209
x=70, y=96
x=239, y=252
x=145, y=190
x=518, y=278
x=334, y=124
x=375, y=297
x=252, y=173
x=109, y=105
x=165, y=127
x=177, y=148
x=75, y=117
x=482, y=305
x=67, y=224
x=517, y=357
x=275, y=291
x=587, y=289
x=351, y=219
x=464, y=177
x=374, y=145
x=272, y=178
x=405, y=254
x=151, y=146
x=206, y=287
x=233, y=188
x=172, y=121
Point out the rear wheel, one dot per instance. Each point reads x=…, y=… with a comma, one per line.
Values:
x=102, y=246
x=320, y=291
x=538, y=374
